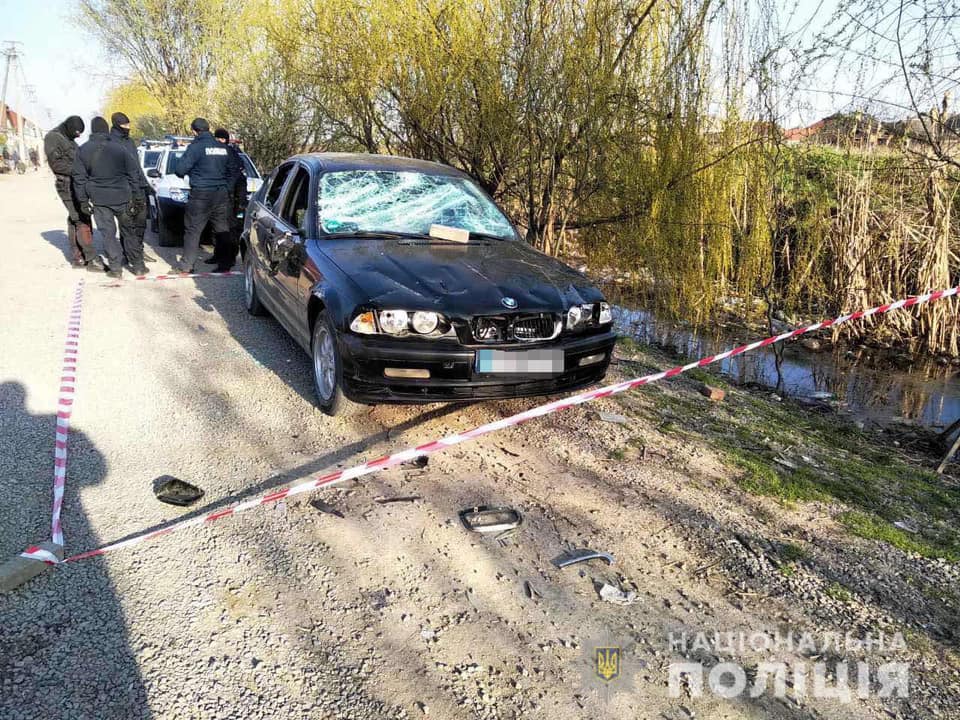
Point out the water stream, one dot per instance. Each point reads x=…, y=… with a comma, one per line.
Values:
x=874, y=386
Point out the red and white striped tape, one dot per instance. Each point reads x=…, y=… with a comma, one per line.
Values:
x=388, y=461
x=68, y=389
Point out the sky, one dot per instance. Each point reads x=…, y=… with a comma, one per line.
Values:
x=71, y=74
x=63, y=63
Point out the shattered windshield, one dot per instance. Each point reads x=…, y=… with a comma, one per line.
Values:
x=406, y=202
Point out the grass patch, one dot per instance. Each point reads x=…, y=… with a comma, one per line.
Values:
x=760, y=477
x=788, y=570
x=838, y=592
x=790, y=552
x=872, y=527
x=835, y=461
x=706, y=378
x=628, y=344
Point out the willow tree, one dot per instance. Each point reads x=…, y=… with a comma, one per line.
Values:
x=579, y=117
x=171, y=47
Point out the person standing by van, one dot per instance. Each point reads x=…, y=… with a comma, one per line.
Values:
x=106, y=178
x=60, y=147
x=209, y=166
x=120, y=132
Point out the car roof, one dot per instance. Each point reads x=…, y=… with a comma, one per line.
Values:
x=331, y=162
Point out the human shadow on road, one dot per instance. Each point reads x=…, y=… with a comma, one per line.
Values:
x=64, y=648
x=59, y=239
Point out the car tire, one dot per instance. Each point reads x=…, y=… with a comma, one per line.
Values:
x=328, y=370
x=165, y=235
x=251, y=296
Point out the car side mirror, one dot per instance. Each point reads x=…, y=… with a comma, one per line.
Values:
x=153, y=173
x=287, y=239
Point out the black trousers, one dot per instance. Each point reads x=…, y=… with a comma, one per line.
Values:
x=79, y=224
x=109, y=220
x=131, y=237
x=205, y=206
x=226, y=247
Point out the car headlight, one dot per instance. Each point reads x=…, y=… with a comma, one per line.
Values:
x=579, y=316
x=179, y=195
x=425, y=322
x=394, y=322
x=401, y=322
x=606, y=314
x=364, y=324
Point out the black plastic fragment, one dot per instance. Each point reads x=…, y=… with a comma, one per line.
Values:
x=326, y=507
x=175, y=491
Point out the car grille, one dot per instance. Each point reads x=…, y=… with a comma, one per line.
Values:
x=493, y=329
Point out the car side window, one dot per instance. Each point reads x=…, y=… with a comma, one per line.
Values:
x=295, y=205
x=276, y=184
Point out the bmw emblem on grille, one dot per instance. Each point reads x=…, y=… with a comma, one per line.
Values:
x=508, y=302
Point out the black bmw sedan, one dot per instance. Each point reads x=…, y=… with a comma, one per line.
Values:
x=405, y=283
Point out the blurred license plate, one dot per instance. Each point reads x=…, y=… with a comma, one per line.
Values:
x=519, y=361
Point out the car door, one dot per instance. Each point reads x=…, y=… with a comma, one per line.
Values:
x=289, y=247
x=263, y=228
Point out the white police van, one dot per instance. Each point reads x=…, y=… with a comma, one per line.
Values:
x=172, y=192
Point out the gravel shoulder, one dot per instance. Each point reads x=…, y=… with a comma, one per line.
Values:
x=394, y=610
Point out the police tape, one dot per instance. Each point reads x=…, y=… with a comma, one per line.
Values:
x=389, y=461
x=65, y=399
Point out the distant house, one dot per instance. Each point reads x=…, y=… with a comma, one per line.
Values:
x=841, y=128
x=802, y=133
x=23, y=134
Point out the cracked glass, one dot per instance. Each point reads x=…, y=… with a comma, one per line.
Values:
x=406, y=202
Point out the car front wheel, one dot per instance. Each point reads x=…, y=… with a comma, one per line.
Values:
x=166, y=236
x=250, y=295
x=328, y=370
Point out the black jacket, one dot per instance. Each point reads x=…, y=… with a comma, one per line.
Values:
x=105, y=173
x=237, y=180
x=127, y=144
x=60, y=150
x=208, y=163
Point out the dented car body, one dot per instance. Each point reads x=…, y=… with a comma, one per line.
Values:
x=406, y=283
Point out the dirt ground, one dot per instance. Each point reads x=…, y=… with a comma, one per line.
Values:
x=394, y=610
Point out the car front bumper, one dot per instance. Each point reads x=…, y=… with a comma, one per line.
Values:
x=452, y=370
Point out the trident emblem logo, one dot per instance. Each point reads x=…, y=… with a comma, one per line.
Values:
x=608, y=663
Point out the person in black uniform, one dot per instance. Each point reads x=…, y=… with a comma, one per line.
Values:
x=120, y=132
x=60, y=147
x=210, y=168
x=225, y=254
x=106, y=178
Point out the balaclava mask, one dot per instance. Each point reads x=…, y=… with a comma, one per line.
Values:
x=118, y=119
x=74, y=126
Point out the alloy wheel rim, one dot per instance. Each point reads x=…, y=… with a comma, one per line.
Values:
x=248, y=283
x=324, y=363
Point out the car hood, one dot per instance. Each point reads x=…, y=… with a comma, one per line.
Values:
x=458, y=280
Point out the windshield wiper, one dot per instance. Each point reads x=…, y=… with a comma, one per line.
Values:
x=378, y=234
x=419, y=237
x=488, y=236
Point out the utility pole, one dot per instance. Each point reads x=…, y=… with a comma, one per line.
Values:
x=11, y=54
